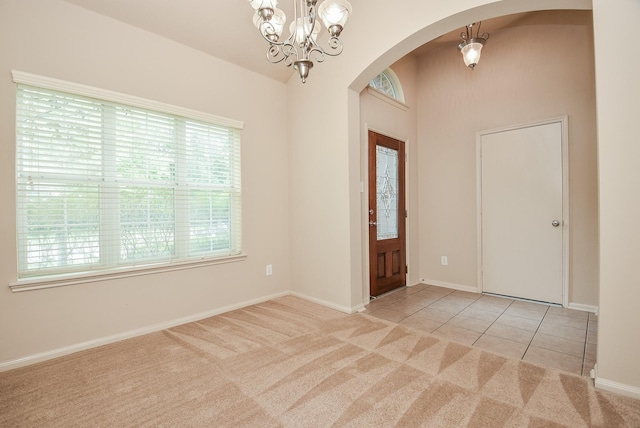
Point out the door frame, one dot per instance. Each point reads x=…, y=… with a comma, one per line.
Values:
x=564, y=122
x=364, y=191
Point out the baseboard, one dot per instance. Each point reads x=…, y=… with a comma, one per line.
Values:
x=451, y=285
x=345, y=309
x=585, y=308
x=617, y=387
x=48, y=355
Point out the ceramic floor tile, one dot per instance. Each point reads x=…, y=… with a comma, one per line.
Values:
x=568, y=312
x=558, y=344
x=565, y=321
x=520, y=312
x=420, y=323
x=488, y=305
x=404, y=307
x=388, y=314
x=416, y=288
x=518, y=322
x=556, y=360
x=427, y=297
x=546, y=335
x=472, y=324
x=439, y=290
x=530, y=306
x=460, y=335
x=587, y=366
x=510, y=333
x=434, y=314
x=503, y=302
x=447, y=306
x=591, y=351
x=502, y=346
x=561, y=331
x=480, y=314
x=467, y=295
x=457, y=300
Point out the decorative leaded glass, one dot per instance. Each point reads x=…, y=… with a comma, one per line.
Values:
x=383, y=83
x=387, y=192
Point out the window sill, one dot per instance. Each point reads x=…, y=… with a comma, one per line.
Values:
x=387, y=99
x=52, y=281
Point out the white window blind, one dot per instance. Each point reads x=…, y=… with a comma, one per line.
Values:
x=104, y=185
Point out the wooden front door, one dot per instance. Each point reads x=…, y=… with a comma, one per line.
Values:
x=387, y=215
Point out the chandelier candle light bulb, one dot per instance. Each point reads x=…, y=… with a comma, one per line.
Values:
x=301, y=48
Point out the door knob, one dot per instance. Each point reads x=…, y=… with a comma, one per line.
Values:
x=555, y=223
x=372, y=223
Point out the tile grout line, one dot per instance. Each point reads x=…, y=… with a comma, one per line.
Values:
x=536, y=332
x=494, y=321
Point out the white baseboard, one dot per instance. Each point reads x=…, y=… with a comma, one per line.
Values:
x=345, y=309
x=581, y=307
x=48, y=355
x=451, y=285
x=617, y=387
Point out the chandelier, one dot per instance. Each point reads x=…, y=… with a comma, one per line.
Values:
x=471, y=46
x=301, y=47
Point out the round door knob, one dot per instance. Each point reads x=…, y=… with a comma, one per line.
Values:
x=372, y=223
x=555, y=223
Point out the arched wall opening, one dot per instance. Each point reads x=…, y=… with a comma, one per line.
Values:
x=358, y=163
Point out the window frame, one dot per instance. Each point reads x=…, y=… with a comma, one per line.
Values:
x=69, y=276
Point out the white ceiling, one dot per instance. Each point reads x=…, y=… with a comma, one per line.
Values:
x=221, y=28
x=225, y=29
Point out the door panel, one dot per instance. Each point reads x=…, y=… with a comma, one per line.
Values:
x=522, y=247
x=387, y=239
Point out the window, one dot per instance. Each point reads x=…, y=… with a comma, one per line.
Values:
x=387, y=82
x=104, y=185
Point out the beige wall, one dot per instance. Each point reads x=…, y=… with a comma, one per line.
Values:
x=553, y=76
x=387, y=118
x=56, y=39
x=617, y=86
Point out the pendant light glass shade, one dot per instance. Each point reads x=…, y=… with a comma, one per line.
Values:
x=471, y=54
x=335, y=13
x=471, y=46
x=302, y=30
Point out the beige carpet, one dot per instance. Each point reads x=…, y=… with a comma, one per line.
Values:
x=292, y=363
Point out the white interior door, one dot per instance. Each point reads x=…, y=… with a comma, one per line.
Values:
x=522, y=212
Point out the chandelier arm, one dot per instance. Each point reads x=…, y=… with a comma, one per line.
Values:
x=301, y=49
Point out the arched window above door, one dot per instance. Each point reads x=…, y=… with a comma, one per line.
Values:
x=388, y=83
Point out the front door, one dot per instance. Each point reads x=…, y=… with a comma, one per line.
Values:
x=387, y=259
x=522, y=212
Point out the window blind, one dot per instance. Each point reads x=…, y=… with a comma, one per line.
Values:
x=103, y=185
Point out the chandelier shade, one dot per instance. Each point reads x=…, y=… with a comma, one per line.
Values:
x=302, y=47
x=471, y=46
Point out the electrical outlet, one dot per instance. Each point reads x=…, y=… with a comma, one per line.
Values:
x=444, y=261
x=269, y=270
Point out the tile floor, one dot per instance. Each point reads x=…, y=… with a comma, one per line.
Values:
x=546, y=335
